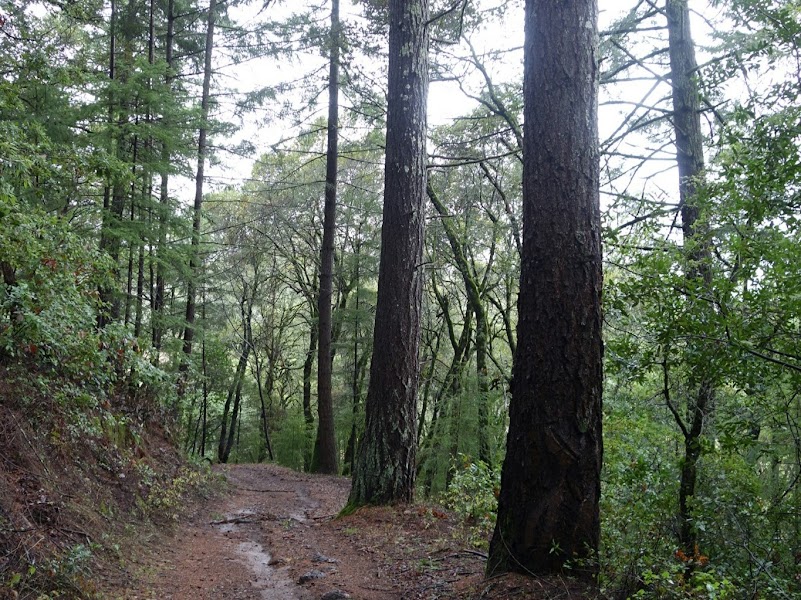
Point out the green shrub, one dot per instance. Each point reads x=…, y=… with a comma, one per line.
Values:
x=473, y=495
x=49, y=301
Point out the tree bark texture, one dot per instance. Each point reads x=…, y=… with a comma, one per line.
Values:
x=324, y=459
x=385, y=466
x=548, y=510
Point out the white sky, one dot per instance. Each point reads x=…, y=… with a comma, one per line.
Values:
x=446, y=101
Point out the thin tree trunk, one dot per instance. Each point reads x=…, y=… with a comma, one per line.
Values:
x=105, y=315
x=164, y=202
x=428, y=379
x=226, y=441
x=476, y=302
x=690, y=160
x=194, y=253
x=324, y=458
x=358, y=367
x=204, y=429
x=264, y=424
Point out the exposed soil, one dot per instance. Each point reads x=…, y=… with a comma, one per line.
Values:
x=276, y=535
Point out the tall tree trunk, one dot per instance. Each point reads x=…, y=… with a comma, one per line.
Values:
x=690, y=159
x=131, y=245
x=358, y=366
x=107, y=234
x=385, y=466
x=324, y=459
x=194, y=253
x=548, y=510
x=164, y=202
x=204, y=428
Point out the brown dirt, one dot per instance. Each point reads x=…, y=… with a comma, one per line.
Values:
x=277, y=528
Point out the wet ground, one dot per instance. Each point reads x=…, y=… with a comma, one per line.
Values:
x=276, y=535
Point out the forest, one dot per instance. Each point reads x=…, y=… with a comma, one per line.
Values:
x=197, y=200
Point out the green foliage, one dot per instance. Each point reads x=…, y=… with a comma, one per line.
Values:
x=164, y=499
x=291, y=441
x=673, y=584
x=638, y=500
x=473, y=495
x=49, y=302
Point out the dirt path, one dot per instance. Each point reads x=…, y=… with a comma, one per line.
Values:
x=274, y=536
x=252, y=542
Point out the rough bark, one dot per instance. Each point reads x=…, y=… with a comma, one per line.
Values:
x=385, y=466
x=324, y=459
x=548, y=510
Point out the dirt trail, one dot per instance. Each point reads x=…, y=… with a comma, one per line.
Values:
x=252, y=542
x=275, y=536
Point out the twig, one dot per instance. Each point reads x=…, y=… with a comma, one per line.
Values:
x=235, y=521
x=473, y=552
x=265, y=491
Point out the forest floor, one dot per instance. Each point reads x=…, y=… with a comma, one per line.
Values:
x=276, y=534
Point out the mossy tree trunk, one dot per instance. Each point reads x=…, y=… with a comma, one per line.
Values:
x=385, y=466
x=548, y=510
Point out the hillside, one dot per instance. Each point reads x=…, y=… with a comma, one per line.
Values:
x=79, y=483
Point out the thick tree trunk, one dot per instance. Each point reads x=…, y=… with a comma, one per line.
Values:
x=385, y=466
x=324, y=459
x=690, y=160
x=548, y=510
